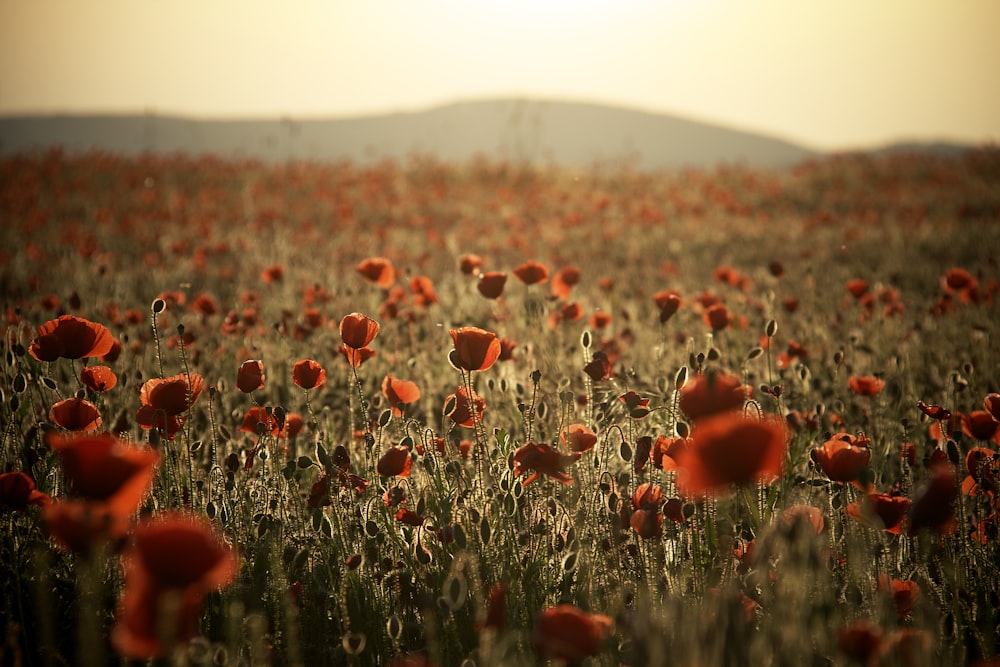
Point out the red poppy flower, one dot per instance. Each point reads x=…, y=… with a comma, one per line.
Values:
x=396, y=462
x=308, y=374
x=260, y=420
x=600, y=319
x=840, y=460
x=712, y=393
x=728, y=449
x=98, y=378
x=541, y=459
x=933, y=504
x=358, y=331
x=982, y=465
x=669, y=302
x=378, y=270
x=980, y=425
x=865, y=385
x=273, y=274
x=567, y=633
x=491, y=284
x=496, y=607
x=172, y=554
x=423, y=289
x=717, y=317
x=904, y=593
x=805, y=514
x=860, y=641
x=506, y=350
x=578, y=438
x=104, y=469
x=857, y=287
x=599, y=367
x=165, y=399
x=399, y=391
x=665, y=452
x=470, y=263
x=958, y=279
x=934, y=411
x=17, y=491
x=646, y=517
x=475, y=349
x=75, y=414
x=409, y=517
x=356, y=357
x=461, y=414
x=563, y=282
x=880, y=511
x=294, y=423
x=172, y=395
x=531, y=273
x=250, y=377
x=992, y=405
x=82, y=526
x=71, y=337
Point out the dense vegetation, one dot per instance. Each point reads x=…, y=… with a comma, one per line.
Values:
x=487, y=414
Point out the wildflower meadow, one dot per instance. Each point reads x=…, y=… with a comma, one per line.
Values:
x=490, y=414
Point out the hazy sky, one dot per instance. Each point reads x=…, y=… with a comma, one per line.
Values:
x=830, y=74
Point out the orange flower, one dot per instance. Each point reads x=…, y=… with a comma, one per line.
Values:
x=102, y=468
x=806, y=514
x=728, y=449
x=98, y=378
x=567, y=633
x=717, y=317
x=857, y=287
x=172, y=554
x=578, y=438
x=841, y=460
x=540, y=459
x=669, y=302
x=423, y=289
x=250, y=377
x=165, y=399
x=904, y=593
x=308, y=374
x=980, y=425
x=75, y=414
x=712, y=393
x=259, y=420
x=399, y=392
x=71, y=337
x=396, y=462
x=992, y=405
x=531, y=273
x=358, y=330
x=563, y=282
x=666, y=451
x=646, y=517
x=356, y=357
x=378, y=270
x=273, y=274
x=933, y=504
x=475, y=349
x=880, y=511
x=865, y=385
x=470, y=263
x=461, y=414
x=17, y=491
x=599, y=368
x=491, y=284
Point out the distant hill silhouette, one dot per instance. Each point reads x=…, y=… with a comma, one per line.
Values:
x=537, y=131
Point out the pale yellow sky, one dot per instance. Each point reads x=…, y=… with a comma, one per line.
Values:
x=831, y=74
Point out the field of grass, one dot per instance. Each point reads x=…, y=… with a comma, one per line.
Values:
x=722, y=417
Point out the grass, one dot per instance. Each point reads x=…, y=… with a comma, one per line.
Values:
x=197, y=264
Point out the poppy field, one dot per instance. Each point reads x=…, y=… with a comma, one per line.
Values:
x=420, y=413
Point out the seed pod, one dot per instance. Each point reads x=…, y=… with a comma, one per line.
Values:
x=771, y=329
